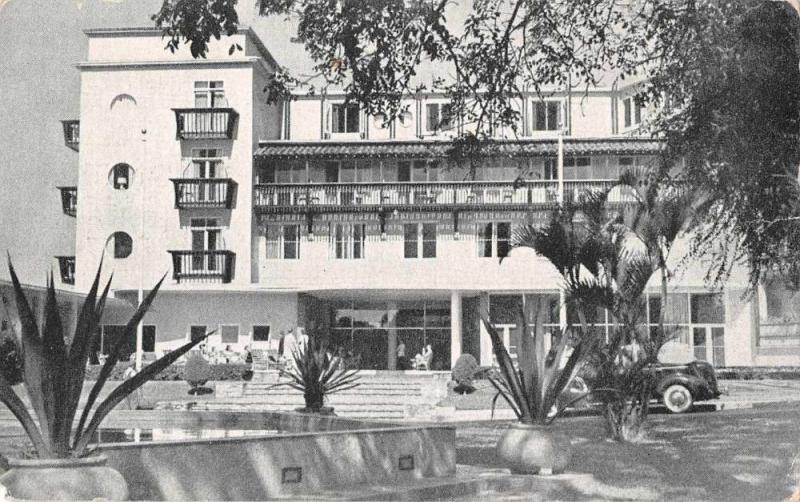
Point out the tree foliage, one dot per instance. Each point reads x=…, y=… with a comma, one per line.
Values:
x=720, y=80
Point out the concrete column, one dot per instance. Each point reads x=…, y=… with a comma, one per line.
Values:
x=455, y=327
x=391, y=309
x=486, y=342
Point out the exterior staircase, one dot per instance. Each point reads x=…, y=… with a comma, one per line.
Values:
x=384, y=395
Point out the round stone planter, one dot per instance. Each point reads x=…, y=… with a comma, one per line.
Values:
x=325, y=410
x=64, y=479
x=534, y=449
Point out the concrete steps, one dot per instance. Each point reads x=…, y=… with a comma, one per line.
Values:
x=388, y=396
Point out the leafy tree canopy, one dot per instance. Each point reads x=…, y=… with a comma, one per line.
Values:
x=720, y=81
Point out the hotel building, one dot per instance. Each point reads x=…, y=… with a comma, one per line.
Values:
x=266, y=217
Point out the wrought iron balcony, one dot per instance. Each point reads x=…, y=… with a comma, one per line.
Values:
x=430, y=196
x=203, y=265
x=204, y=192
x=205, y=123
x=72, y=133
x=66, y=265
x=69, y=200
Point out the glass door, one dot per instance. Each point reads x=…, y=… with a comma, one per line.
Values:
x=709, y=344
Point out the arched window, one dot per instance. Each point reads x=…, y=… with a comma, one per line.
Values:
x=121, y=176
x=122, y=244
x=123, y=103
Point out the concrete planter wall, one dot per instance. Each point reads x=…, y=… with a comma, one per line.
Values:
x=338, y=453
x=64, y=479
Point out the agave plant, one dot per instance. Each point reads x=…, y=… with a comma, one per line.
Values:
x=533, y=389
x=316, y=373
x=54, y=371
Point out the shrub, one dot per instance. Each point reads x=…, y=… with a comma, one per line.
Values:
x=216, y=372
x=464, y=372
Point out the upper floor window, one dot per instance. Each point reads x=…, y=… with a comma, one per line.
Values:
x=494, y=239
x=550, y=169
x=632, y=112
x=347, y=240
x=206, y=163
x=283, y=242
x=345, y=118
x=120, y=176
x=438, y=117
x=546, y=115
x=209, y=94
x=419, y=240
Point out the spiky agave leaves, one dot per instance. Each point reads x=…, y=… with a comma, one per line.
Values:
x=533, y=389
x=54, y=371
x=314, y=372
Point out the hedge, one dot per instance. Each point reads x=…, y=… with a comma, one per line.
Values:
x=175, y=372
x=759, y=373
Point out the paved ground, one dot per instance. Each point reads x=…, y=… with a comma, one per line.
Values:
x=744, y=454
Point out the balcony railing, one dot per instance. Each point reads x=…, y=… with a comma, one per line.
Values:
x=205, y=123
x=66, y=265
x=69, y=200
x=435, y=196
x=203, y=265
x=204, y=192
x=72, y=133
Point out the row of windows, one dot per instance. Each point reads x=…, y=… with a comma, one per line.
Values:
x=229, y=334
x=348, y=240
x=547, y=115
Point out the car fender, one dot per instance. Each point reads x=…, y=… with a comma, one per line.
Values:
x=691, y=383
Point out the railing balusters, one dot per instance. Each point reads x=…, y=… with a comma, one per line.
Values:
x=205, y=123
x=209, y=264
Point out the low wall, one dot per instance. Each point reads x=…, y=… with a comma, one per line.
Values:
x=337, y=453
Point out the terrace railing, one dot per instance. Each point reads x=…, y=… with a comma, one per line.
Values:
x=332, y=197
x=69, y=200
x=204, y=192
x=203, y=265
x=205, y=123
x=72, y=133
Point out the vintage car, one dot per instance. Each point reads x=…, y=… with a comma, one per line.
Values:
x=677, y=386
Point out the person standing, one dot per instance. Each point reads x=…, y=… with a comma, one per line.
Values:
x=402, y=362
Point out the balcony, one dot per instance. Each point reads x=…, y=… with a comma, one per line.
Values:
x=205, y=123
x=69, y=200
x=430, y=196
x=203, y=265
x=72, y=133
x=66, y=265
x=204, y=192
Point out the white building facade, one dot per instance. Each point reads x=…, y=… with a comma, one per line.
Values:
x=309, y=213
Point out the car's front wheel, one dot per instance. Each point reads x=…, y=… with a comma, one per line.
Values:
x=677, y=398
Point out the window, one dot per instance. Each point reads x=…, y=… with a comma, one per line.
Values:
x=149, y=338
x=550, y=169
x=419, y=239
x=283, y=242
x=632, y=112
x=229, y=333
x=438, y=117
x=347, y=240
x=123, y=244
x=260, y=333
x=494, y=239
x=209, y=94
x=205, y=163
x=577, y=161
x=345, y=118
x=206, y=236
x=197, y=331
x=120, y=176
x=546, y=115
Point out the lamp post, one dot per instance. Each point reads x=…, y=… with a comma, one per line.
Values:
x=140, y=293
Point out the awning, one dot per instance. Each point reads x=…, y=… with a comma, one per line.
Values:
x=498, y=148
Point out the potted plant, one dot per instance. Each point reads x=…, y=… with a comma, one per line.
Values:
x=63, y=465
x=316, y=373
x=532, y=390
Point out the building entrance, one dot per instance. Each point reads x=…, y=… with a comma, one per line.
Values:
x=367, y=334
